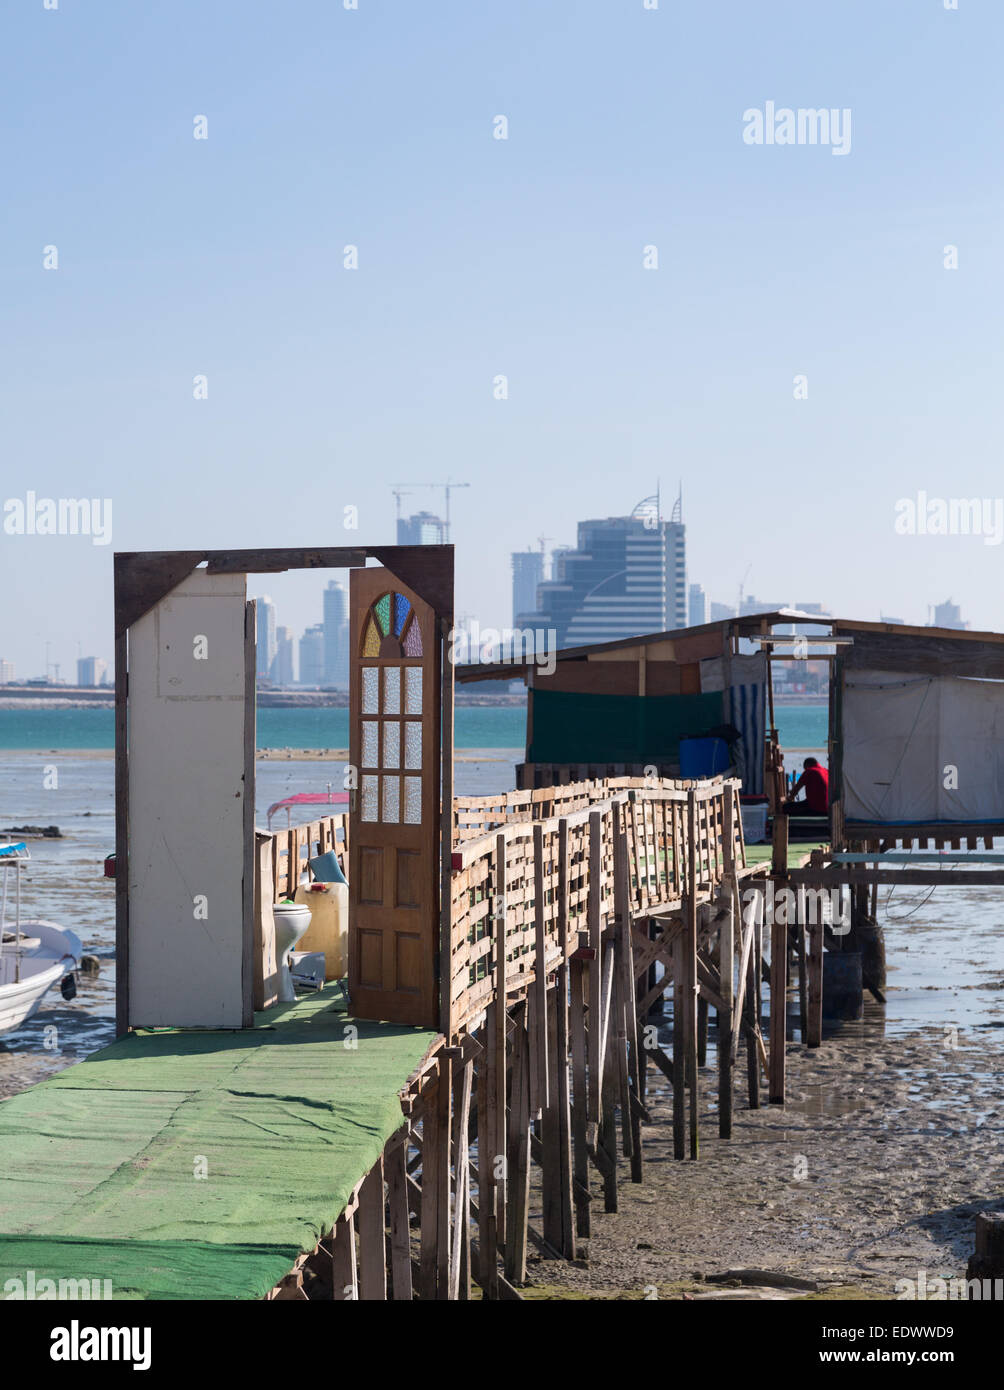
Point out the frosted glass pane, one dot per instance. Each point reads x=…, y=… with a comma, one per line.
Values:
x=369, y=811
x=412, y=800
x=371, y=675
x=392, y=690
x=413, y=744
x=371, y=757
x=391, y=799
x=413, y=690
x=391, y=744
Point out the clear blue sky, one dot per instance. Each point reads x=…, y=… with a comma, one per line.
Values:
x=478, y=257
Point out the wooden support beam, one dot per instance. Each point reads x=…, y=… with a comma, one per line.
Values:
x=778, y=1007
x=343, y=1260
x=460, y=1252
x=396, y=1172
x=814, y=1021
x=578, y=970
x=518, y=1160
x=372, y=1246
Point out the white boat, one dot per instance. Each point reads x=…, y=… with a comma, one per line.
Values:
x=33, y=955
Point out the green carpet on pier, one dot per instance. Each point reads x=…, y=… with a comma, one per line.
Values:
x=101, y=1162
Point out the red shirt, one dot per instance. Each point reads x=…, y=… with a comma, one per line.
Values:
x=817, y=789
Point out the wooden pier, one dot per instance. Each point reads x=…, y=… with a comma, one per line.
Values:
x=564, y=901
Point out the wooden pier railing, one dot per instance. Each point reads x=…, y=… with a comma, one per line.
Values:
x=565, y=904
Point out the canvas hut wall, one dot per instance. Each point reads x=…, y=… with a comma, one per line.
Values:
x=919, y=725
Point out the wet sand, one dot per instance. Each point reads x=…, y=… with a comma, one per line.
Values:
x=875, y=1169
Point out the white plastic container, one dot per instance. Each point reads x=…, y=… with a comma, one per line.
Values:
x=329, y=925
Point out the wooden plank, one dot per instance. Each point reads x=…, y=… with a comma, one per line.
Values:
x=343, y=1260
x=563, y=1099
x=726, y=955
x=580, y=1158
x=372, y=1246
x=464, y=1071
x=594, y=978
x=690, y=965
x=497, y=1079
x=432, y=1142
x=487, y=1158
x=778, y=1008
x=441, y=1175
x=540, y=1083
x=395, y=1169
x=814, y=1022
x=518, y=1160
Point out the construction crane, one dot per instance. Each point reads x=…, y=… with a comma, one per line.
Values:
x=399, y=492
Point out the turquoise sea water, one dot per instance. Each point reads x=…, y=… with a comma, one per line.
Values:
x=489, y=726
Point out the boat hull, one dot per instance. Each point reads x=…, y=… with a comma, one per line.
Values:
x=57, y=953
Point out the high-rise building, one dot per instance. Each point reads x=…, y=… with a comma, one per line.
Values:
x=721, y=611
x=266, y=636
x=312, y=656
x=698, y=606
x=527, y=574
x=336, y=635
x=627, y=576
x=6, y=672
x=424, y=528
x=948, y=614
x=282, y=666
x=91, y=670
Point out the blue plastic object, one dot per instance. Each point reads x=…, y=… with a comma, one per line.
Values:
x=703, y=757
x=325, y=868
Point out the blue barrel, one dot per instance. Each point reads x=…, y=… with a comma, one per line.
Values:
x=703, y=757
x=842, y=987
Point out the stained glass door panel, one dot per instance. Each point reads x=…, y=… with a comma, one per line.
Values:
x=394, y=745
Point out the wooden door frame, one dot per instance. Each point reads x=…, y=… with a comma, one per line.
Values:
x=144, y=578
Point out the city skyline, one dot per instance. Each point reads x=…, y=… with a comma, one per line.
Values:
x=594, y=259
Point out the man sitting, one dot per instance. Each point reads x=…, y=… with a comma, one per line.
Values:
x=816, y=781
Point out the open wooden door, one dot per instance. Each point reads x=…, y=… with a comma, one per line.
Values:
x=394, y=745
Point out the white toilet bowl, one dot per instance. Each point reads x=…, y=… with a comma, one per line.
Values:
x=291, y=921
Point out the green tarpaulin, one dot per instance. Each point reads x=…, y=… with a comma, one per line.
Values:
x=176, y=1163
x=576, y=728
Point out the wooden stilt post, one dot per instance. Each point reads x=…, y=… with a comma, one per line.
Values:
x=444, y=1242
x=518, y=1158
x=690, y=965
x=580, y=1152
x=498, y=1087
x=726, y=954
x=814, y=1023
x=778, y=1006
x=803, y=992
x=595, y=977
x=679, y=1050
x=562, y=1045
x=431, y=1143
x=464, y=1074
x=488, y=1190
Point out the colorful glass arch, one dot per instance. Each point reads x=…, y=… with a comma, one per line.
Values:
x=391, y=629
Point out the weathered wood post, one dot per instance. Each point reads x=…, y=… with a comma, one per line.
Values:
x=987, y=1261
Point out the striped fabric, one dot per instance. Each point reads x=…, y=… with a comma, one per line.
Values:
x=746, y=705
